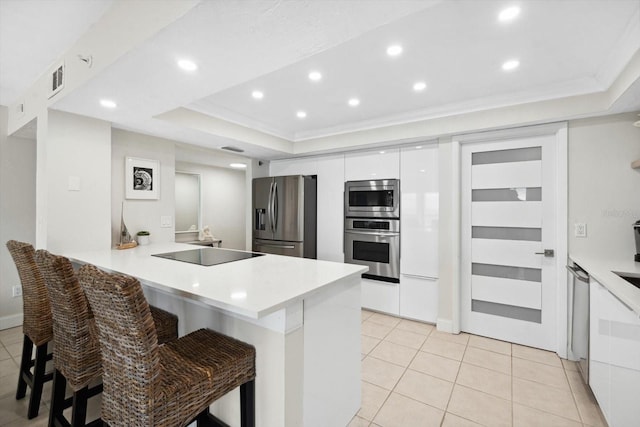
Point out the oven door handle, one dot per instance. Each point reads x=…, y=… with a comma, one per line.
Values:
x=373, y=233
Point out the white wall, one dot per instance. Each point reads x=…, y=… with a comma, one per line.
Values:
x=72, y=147
x=604, y=192
x=142, y=214
x=223, y=203
x=17, y=213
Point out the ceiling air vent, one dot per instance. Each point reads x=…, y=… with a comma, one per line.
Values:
x=57, y=80
x=232, y=148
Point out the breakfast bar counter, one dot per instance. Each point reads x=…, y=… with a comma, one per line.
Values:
x=302, y=315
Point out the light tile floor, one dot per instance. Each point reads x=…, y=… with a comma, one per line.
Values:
x=413, y=375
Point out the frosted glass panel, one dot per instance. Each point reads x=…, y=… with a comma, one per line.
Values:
x=507, y=194
x=520, y=273
x=504, y=310
x=507, y=233
x=507, y=156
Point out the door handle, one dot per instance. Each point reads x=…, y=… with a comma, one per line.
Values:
x=550, y=253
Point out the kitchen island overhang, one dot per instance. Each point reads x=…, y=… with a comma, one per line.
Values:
x=302, y=315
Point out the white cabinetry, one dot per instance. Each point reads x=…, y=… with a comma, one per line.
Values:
x=380, y=164
x=419, y=211
x=330, y=172
x=614, y=360
x=419, y=232
x=381, y=296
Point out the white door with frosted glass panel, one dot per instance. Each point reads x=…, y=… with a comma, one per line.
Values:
x=508, y=282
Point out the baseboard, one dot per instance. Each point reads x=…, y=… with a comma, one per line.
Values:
x=12, y=321
x=444, y=325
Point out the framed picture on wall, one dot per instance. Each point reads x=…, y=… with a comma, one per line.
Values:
x=142, y=178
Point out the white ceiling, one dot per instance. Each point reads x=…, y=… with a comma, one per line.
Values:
x=35, y=33
x=457, y=47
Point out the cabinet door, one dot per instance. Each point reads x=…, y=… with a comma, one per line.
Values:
x=419, y=298
x=381, y=164
x=599, y=374
x=330, y=208
x=624, y=365
x=380, y=296
x=419, y=211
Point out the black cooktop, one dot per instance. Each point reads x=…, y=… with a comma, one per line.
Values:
x=208, y=256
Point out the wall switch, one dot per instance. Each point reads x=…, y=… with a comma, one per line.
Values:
x=580, y=229
x=166, y=221
x=16, y=291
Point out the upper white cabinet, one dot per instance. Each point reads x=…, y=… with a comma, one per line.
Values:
x=380, y=164
x=330, y=173
x=614, y=368
x=419, y=211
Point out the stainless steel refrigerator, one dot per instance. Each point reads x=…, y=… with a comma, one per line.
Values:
x=284, y=215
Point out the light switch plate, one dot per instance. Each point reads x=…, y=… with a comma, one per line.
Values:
x=166, y=221
x=580, y=229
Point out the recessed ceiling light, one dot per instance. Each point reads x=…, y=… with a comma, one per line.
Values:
x=394, y=50
x=301, y=114
x=315, y=76
x=512, y=64
x=187, y=65
x=419, y=86
x=238, y=165
x=107, y=103
x=257, y=94
x=354, y=102
x=382, y=152
x=239, y=295
x=418, y=147
x=509, y=13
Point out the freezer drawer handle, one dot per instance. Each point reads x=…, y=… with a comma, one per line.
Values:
x=276, y=246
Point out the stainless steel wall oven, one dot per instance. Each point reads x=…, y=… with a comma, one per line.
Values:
x=372, y=227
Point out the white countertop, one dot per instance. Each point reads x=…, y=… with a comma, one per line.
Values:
x=253, y=287
x=601, y=269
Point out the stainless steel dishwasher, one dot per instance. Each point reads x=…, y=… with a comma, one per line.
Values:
x=578, y=318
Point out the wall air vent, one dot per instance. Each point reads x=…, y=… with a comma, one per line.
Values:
x=232, y=148
x=57, y=80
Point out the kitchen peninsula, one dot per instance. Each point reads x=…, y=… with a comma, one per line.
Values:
x=302, y=315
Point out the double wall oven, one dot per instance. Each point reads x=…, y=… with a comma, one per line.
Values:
x=372, y=227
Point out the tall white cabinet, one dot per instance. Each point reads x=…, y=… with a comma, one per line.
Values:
x=419, y=234
x=614, y=359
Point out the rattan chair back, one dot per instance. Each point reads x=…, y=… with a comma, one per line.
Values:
x=75, y=338
x=129, y=345
x=37, y=324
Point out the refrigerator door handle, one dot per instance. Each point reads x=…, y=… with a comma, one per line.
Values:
x=275, y=207
x=269, y=206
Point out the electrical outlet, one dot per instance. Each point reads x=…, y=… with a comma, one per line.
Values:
x=17, y=291
x=580, y=229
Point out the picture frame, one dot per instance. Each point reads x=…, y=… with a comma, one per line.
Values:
x=142, y=178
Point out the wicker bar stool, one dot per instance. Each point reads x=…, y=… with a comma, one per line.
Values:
x=77, y=358
x=168, y=385
x=37, y=326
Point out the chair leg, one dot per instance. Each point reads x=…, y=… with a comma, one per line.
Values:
x=248, y=404
x=38, y=381
x=25, y=366
x=79, y=411
x=57, y=399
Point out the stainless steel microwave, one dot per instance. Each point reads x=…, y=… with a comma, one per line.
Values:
x=378, y=198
